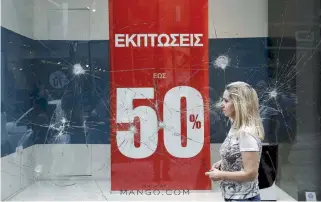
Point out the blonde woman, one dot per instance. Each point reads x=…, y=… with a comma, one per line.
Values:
x=240, y=152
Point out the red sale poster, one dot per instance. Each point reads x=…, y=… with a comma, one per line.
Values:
x=159, y=86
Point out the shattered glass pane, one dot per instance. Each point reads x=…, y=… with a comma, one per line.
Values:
x=56, y=95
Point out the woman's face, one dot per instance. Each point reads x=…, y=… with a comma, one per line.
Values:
x=227, y=105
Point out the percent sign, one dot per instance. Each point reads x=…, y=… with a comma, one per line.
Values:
x=196, y=123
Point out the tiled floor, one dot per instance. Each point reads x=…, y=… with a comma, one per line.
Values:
x=98, y=190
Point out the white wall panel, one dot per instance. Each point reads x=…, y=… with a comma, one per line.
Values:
x=44, y=19
x=238, y=19
x=68, y=25
x=71, y=20
x=28, y=165
x=17, y=16
x=227, y=19
x=10, y=175
x=99, y=21
x=57, y=160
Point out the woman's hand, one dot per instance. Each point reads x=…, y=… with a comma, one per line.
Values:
x=214, y=174
x=217, y=165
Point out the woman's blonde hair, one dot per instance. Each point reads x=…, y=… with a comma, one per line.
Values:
x=246, y=105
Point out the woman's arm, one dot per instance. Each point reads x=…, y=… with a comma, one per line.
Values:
x=250, y=172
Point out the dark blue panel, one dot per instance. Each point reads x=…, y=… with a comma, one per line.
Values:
x=84, y=99
x=248, y=62
x=15, y=50
x=99, y=119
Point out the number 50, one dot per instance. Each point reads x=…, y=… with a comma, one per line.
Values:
x=149, y=124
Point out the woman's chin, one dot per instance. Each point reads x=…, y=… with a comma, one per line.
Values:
x=226, y=115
